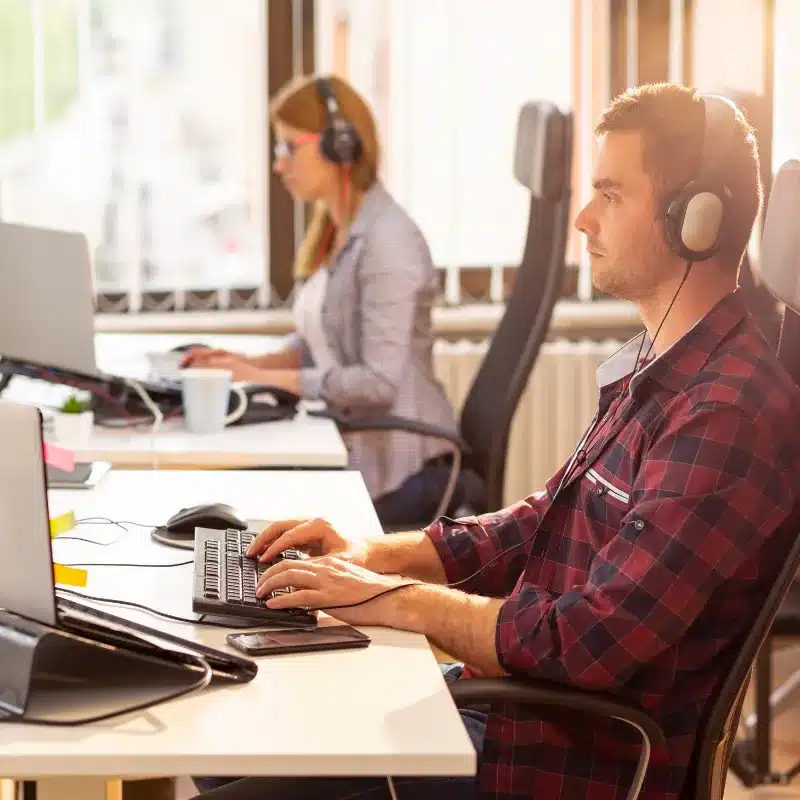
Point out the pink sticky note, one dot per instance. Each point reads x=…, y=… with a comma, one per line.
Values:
x=59, y=457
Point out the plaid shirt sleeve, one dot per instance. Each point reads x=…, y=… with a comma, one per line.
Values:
x=708, y=492
x=494, y=545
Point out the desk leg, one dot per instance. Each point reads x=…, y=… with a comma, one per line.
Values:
x=78, y=789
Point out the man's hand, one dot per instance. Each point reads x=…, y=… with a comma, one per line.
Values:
x=313, y=536
x=461, y=624
x=345, y=590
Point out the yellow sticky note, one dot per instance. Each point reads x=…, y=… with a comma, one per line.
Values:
x=71, y=576
x=61, y=524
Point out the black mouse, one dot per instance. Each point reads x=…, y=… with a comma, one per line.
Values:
x=184, y=348
x=213, y=515
x=179, y=529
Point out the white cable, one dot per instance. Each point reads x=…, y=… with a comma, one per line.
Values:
x=390, y=784
x=158, y=416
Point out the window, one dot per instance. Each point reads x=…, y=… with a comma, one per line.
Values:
x=446, y=80
x=143, y=125
x=786, y=142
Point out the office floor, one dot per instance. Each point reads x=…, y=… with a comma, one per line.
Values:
x=786, y=736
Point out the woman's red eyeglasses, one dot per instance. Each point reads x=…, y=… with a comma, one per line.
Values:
x=286, y=148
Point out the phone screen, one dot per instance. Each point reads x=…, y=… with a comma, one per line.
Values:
x=325, y=637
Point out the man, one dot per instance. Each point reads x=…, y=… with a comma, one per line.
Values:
x=652, y=549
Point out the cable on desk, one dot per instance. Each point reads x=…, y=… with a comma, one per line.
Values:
x=101, y=521
x=130, y=604
x=108, y=521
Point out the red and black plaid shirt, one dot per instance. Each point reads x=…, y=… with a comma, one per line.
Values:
x=641, y=574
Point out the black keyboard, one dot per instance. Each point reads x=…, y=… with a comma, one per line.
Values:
x=225, y=579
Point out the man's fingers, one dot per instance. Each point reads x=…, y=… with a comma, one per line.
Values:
x=303, y=598
x=281, y=579
x=299, y=536
x=270, y=534
x=277, y=571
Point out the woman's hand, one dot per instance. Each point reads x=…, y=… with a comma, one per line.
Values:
x=202, y=356
x=242, y=369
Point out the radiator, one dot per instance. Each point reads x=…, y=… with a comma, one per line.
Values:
x=554, y=410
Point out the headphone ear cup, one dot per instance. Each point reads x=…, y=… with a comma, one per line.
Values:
x=340, y=144
x=693, y=221
x=327, y=146
x=673, y=223
x=702, y=221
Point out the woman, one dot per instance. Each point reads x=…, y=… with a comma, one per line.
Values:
x=364, y=336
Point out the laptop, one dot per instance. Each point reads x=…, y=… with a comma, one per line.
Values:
x=47, y=332
x=27, y=584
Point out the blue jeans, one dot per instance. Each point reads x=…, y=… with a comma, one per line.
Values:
x=417, y=498
x=355, y=788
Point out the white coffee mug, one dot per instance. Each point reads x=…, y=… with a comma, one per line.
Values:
x=205, y=399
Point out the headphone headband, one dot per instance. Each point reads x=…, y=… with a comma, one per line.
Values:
x=693, y=220
x=339, y=140
x=719, y=126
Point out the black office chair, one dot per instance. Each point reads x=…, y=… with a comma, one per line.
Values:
x=780, y=270
x=542, y=164
x=715, y=747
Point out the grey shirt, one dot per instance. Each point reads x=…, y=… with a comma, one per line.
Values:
x=376, y=316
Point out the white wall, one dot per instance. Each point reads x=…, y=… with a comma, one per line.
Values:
x=447, y=79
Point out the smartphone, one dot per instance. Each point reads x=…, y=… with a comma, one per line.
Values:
x=295, y=640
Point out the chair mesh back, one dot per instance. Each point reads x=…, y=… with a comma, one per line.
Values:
x=780, y=268
x=780, y=249
x=780, y=259
x=542, y=164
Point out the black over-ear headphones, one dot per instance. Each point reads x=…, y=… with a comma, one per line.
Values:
x=339, y=140
x=694, y=217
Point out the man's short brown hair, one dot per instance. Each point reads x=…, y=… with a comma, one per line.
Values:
x=671, y=120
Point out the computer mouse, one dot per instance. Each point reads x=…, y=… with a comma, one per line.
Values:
x=218, y=516
x=179, y=528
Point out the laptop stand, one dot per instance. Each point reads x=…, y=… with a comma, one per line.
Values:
x=55, y=676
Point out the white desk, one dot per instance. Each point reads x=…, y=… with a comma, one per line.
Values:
x=304, y=442
x=383, y=710
x=126, y=353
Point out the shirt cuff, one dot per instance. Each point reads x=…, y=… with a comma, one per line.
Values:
x=311, y=381
x=437, y=534
x=458, y=554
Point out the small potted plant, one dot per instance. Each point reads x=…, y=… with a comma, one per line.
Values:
x=74, y=420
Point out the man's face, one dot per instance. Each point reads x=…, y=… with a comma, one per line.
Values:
x=624, y=233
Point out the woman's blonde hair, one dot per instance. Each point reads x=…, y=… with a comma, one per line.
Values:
x=298, y=104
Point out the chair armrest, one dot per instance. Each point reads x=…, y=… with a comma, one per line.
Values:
x=389, y=422
x=542, y=694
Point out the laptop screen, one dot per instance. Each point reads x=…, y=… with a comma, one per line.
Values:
x=26, y=561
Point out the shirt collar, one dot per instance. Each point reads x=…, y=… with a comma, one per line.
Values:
x=376, y=199
x=675, y=367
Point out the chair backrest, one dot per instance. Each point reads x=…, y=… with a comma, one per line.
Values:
x=780, y=270
x=542, y=164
